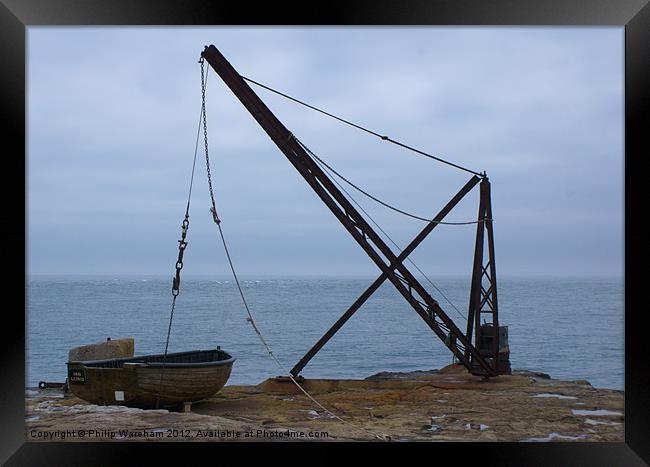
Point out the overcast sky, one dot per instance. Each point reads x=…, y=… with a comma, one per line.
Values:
x=112, y=122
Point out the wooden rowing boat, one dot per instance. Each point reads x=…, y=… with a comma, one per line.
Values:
x=151, y=381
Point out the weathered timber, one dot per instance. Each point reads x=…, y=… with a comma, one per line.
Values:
x=153, y=380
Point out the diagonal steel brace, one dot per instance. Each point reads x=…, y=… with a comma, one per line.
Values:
x=382, y=278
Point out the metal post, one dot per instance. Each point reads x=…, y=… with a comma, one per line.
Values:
x=479, y=295
x=493, y=273
x=474, y=315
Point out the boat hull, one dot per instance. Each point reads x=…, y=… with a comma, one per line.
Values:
x=151, y=381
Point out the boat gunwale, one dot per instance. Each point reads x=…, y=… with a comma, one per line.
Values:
x=228, y=361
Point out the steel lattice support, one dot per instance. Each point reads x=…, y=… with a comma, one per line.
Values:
x=483, y=292
x=390, y=265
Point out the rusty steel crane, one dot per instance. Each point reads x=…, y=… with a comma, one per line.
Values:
x=482, y=348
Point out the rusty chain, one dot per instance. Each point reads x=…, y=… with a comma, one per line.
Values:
x=182, y=243
x=213, y=209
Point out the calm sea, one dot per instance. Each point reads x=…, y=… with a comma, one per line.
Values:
x=569, y=328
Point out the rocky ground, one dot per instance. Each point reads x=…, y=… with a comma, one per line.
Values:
x=438, y=405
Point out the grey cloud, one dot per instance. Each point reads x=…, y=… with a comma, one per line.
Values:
x=112, y=120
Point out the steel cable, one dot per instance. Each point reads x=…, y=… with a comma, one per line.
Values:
x=394, y=243
x=374, y=198
x=374, y=133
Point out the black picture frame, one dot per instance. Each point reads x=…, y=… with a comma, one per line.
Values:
x=633, y=15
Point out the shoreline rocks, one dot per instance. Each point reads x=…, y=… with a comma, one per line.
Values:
x=427, y=405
